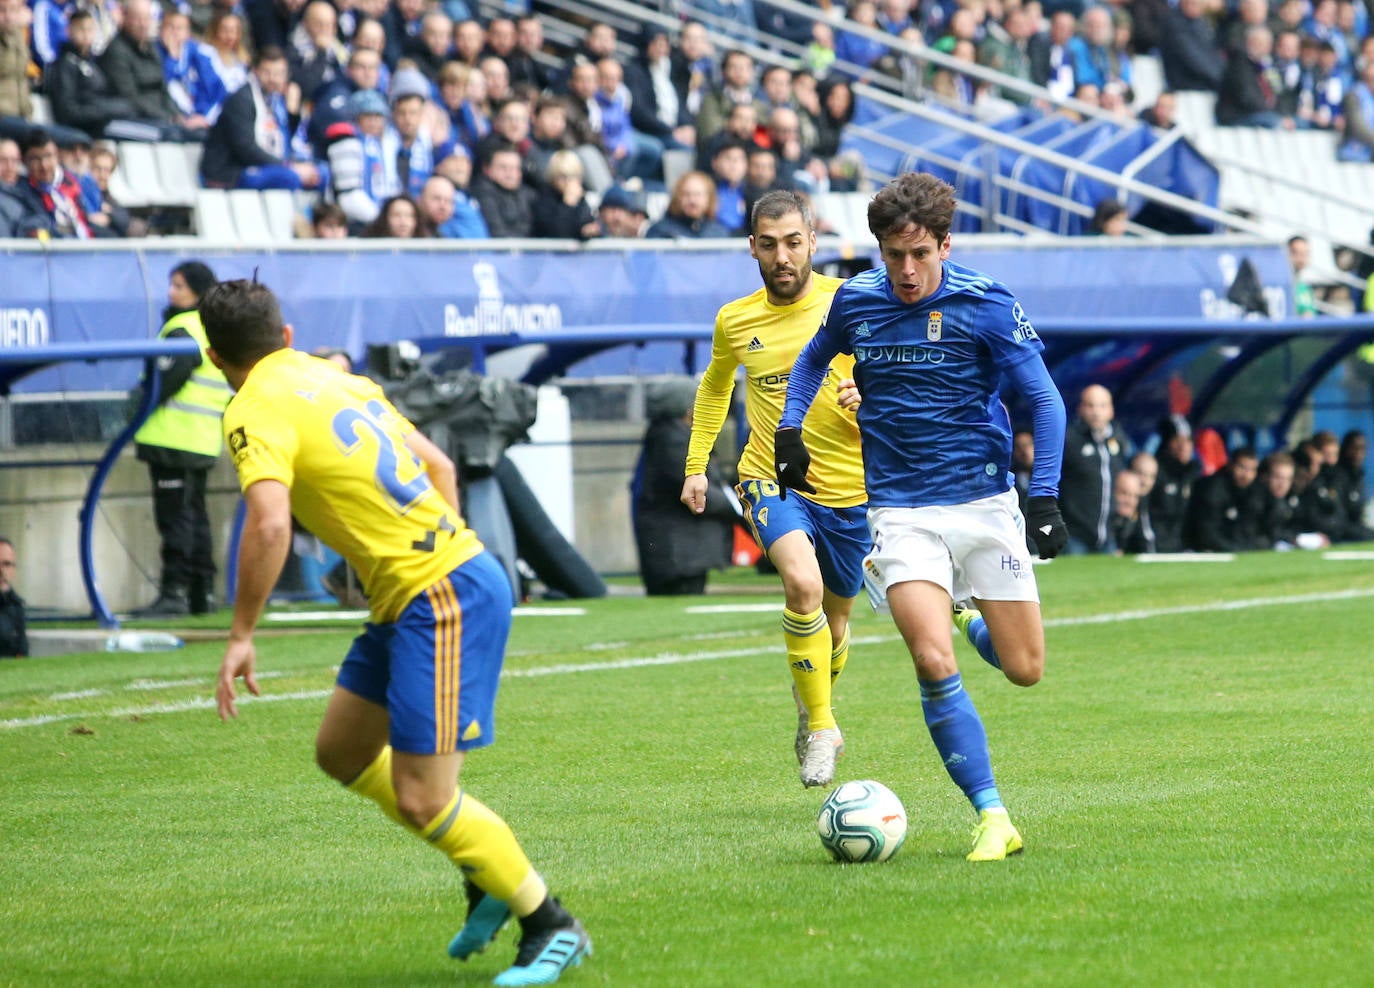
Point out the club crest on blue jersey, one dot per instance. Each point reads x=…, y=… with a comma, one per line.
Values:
x=934, y=326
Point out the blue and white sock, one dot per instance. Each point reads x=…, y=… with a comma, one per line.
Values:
x=958, y=733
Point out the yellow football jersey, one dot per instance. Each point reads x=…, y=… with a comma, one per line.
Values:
x=765, y=339
x=339, y=445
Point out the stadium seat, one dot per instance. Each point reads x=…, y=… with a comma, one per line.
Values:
x=1147, y=80
x=138, y=162
x=676, y=163
x=280, y=207
x=250, y=219
x=214, y=221
x=655, y=205
x=1196, y=112
x=42, y=109
x=178, y=181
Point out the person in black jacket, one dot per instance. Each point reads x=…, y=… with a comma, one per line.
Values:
x=677, y=548
x=14, y=639
x=1250, y=87
x=1188, y=49
x=1094, y=454
x=657, y=82
x=1349, y=477
x=1322, y=505
x=1224, y=513
x=133, y=66
x=1173, y=489
x=80, y=94
x=562, y=210
x=507, y=203
x=249, y=144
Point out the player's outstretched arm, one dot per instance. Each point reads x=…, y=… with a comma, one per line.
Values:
x=694, y=492
x=263, y=548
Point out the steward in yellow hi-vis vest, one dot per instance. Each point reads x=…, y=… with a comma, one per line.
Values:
x=180, y=442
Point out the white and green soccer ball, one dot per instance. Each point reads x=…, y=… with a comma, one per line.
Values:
x=862, y=821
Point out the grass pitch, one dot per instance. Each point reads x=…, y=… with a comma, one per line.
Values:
x=1191, y=779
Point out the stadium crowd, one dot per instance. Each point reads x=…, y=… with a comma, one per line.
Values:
x=1189, y=492
x=416, y=118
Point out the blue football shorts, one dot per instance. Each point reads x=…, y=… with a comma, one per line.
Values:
x=840, y=535
x=436, y=668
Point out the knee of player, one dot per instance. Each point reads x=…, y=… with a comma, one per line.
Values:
x=934, y=663
x=1026, y=668
x=419, y=806
x=803, y=591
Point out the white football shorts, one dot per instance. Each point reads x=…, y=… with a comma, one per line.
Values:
x=976, y=549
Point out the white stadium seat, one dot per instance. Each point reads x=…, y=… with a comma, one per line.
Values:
x=250, y=219
x=214, y=221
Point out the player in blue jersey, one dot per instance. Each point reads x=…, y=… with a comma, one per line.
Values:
x=930, y=340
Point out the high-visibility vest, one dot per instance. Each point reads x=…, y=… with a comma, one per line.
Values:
x=190, y=419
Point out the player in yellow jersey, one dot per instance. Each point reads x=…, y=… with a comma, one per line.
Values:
x=816, y=541
x=417, y=689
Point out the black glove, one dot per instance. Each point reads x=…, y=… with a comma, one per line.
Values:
x=791, y=461
x=1046, y=526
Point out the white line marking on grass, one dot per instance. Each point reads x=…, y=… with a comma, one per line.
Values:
x=734, y=608
x=77, y=694
x=1187, y=557
x=681, y=658
x=1348, y=555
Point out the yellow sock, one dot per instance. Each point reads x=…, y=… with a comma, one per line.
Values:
x=482, y=845
x=839, y=655
x=808, y=655
x=374, y=782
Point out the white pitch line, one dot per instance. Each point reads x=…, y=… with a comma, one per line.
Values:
x=681, y=658
x=78, y=694
x=1348, y=555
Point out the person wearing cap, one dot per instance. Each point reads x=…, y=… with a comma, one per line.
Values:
x=180, y=442
x=622, y=213
x=407, y=147
x=249, y=145
x=358, y=177
x=1094, y=453
x=1178, y=470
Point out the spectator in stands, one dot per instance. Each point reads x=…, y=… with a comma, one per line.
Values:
x=729, y=168
x=1051, y=55
x=467, y=222
x=448, y=209
x=1163, y=113
x=1357, y=138
x=806, y=100
x=737, y=86
x=704, y=73
x=360, y=174
x=1289, y=70
x=507, y=203
x=677, y=547
x=760, y=177
x=562, y=210
x=1299, y=256
x=548, y=134
x=1322, y=24
x=632, y=154
x=133, y=66
x=469, y=42
x=328, y=222
x=622, y=213
x=249, y=146
x=15, y=220
x=497, y=75
x=371, y=36
x=597, y=43
x=406, y=142
x=103, y=165
x=1224, y=512
x=1325, y=89
x=1094, y=453
x=524, y=64
x=463, y=94
x=732, y=18
x=226, y=50
x=1251, y=85
x=52, y=198
x=400, y=219
x=331, y=102
x=14, y=639
x=820, y=55
x=657, y=83
x=1110, y=218
x=1244, y=15
x=784, y=136
x=1188, y=49
x=16, y=103
x=1007, y=49
x=837, y=109
x=80, y=94
x=194, y=85
x=180, y=442
x=857, y=49
x=741, y=125
x=510, y=127
x=501, y=38
x=1097, y=61
x=955, y=87
x=401, y=23
x=316, y=55
x=691, y=211
x=270, y=22
x=434, y=44
x=1146, y=467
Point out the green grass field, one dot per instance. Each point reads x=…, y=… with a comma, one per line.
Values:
x=1191, y=779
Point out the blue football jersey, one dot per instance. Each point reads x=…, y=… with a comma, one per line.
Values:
x=934, y=428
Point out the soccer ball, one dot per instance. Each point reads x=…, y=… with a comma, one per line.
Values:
x=862, y=821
